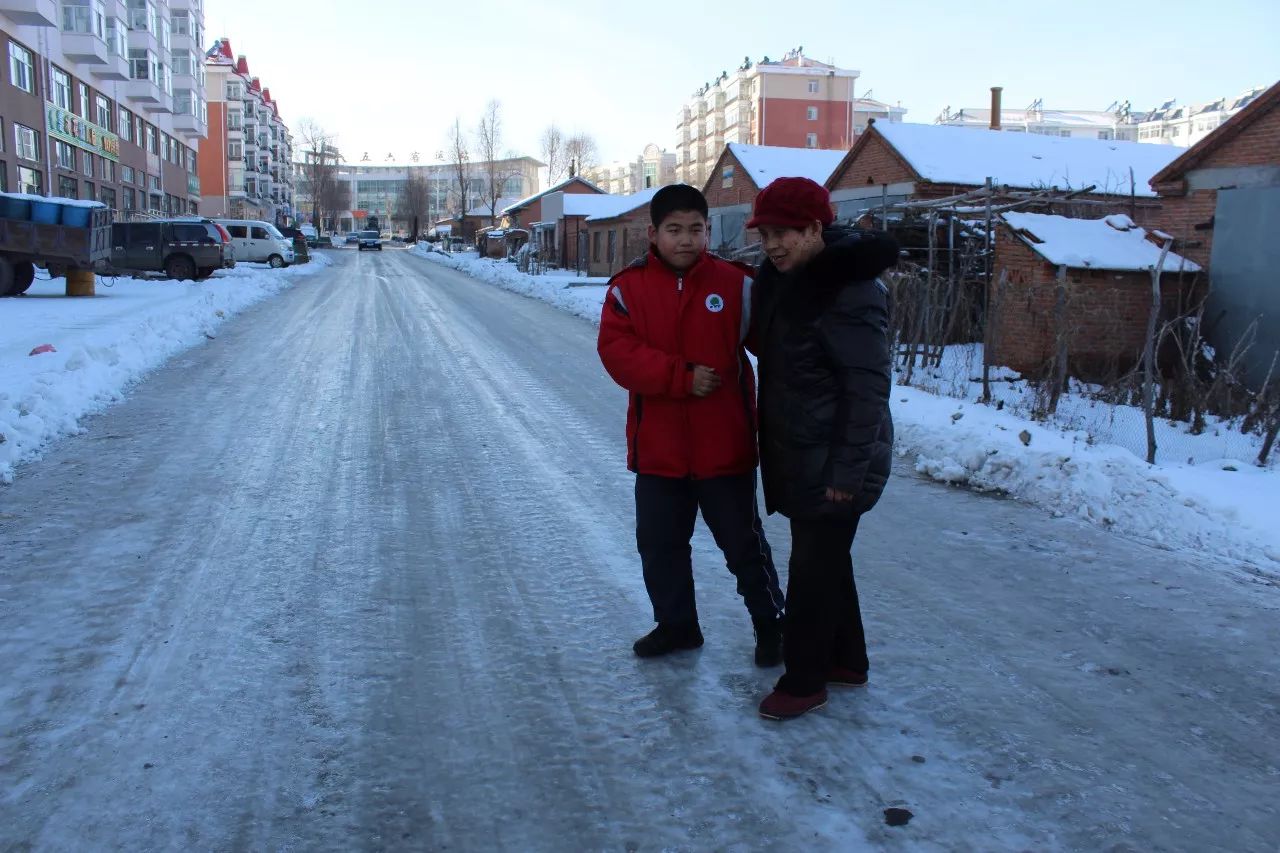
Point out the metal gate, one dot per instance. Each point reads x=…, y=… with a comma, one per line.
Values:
x=1244, y=270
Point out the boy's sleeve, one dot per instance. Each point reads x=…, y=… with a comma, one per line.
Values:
x=631, y=362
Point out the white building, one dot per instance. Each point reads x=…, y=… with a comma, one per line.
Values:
x=1115, y=122
x=1184, y=126
x=653, y=168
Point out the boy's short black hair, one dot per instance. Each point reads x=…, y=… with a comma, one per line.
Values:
x=674, y=198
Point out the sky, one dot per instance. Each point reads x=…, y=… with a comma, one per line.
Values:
x=390, y=77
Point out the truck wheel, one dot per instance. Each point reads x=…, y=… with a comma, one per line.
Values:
x=276, y=262
x=7, y=276
x=180, y=267
x=24, y=273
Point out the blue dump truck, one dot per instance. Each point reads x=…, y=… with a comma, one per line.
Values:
x=64, y=236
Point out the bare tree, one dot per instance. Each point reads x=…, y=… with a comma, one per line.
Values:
x=496, y=169
x=414, y=202
x=459, y=154
x=581, y=152
x=553, y=151
x=320, y=164
x=334, y=200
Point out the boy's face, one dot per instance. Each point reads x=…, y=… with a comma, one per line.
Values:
x=681, y=238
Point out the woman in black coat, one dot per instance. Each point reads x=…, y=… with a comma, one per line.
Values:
x=820, y=328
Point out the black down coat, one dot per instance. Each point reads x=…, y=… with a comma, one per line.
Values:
x=822, y=338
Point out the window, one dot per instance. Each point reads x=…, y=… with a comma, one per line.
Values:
x=235, y=151
x=812, y=114
x=4, y=177
x=613, y=245
x=155, y=182
x=726, y=177
x=108, y=170
x=68, y=187
x=813, y=87
x=142, y=15
x=126, y=174
x=90, y=191
x=88, y=164
x=595, y=246
x=239, y=231
x=102, y=111
x=84, y=16
x=811, y=140
x=107, y=196
x=189, y=232
x=184, y=63
x=84, y=101
x=117, y=41
x=233, y=119
x=151, y=145
x=63, y=155
x=21, y=69
x=61, y=89
x=181, y=20
x=30, y=181
x=233, y=91
x=130, y=199
x=1106, y=134
x=259, y=233
x=125, y=125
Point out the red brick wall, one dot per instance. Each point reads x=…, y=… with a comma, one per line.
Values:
x=743, y=191
x=875, y=164
x=1106, y=311
x=1179, y=217
x=787, y=124
x=1256, y=145
x=631, y=241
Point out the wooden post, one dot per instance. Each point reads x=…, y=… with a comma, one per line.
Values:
x=986, y=302
x=884, y=206
x=1059, y=377
x=80, y=283
x=1149, y=355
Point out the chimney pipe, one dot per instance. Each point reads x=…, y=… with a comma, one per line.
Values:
x=995, y=106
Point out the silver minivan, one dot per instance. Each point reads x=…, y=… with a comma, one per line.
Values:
x=258, y=242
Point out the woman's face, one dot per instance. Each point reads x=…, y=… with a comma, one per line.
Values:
x=791, y=248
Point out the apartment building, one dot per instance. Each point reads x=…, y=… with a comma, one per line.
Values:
x=246, y=166
x=1185, y=125
x=794, y=102
x=1115, y=122
x=103, y=100
x=655, y=167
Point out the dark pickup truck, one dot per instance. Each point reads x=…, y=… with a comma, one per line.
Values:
x=24, y=245
x=188, y=248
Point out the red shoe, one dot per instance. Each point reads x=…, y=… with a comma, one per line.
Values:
x=840, y=676
x=784, y=706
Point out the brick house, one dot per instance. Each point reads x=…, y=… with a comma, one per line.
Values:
x=895, y=162
x=541, y=214
x=1221, y=202
x=618, y=232
x=739, y=175
x=1105, y=266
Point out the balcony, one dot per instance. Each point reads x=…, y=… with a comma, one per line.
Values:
x=149, y=94
x=188, y=125
x=143, y=39
x=31, y=13
x=85, y=48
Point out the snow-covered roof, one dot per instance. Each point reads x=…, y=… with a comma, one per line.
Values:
x=530, y=199
x=1111, y=243
x=961, y=155
x=767, y=163
x=618, y=205
x=482, y=207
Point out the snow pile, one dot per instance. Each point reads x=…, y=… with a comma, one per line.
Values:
x=1112, y=243
x=1089, y=464
x=963, y=155
x=104, y=345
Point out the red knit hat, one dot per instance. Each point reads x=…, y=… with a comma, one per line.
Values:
x=792, y=203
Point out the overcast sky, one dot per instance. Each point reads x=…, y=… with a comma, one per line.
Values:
x=390, y=76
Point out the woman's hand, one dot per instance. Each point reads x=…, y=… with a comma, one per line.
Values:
x=837, y=496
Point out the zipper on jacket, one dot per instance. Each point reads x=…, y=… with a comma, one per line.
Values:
x=679, y=284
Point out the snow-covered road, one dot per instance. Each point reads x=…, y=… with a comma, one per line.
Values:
x=360, y=574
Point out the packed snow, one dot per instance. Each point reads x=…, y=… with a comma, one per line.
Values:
x=964, y=155
x=1205, y=492
x=100, y=346
x=1111, y=243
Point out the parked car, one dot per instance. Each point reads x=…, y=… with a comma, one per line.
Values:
x=352, y=238
x=310, y=234
x=228, y=248
x=370, y=240
x=259, y=242
x=180, y=248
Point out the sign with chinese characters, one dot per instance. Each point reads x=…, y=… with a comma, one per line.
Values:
x=69, y=127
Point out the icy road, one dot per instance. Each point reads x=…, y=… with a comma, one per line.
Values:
x=360, y=574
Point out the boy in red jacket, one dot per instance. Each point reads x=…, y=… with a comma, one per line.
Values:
x=671, y=333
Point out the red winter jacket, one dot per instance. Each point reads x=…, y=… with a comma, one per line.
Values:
x=654, y=328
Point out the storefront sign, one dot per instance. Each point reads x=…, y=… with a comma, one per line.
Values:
x=80, y=132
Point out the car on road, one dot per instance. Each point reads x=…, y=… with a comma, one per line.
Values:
x=180, y=248
x=352, y=238
x=370, y=240
x=258, y=241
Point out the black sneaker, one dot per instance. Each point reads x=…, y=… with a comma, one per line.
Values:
x=768, y=642
x=668, y=638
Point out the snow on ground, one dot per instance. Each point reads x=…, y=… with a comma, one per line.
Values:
x=102, y=345
x=1204, y=493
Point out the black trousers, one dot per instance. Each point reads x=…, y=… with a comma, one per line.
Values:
x=666, y=509
x=823, y=626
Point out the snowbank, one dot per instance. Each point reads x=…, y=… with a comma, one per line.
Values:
x=1089, y=463
x=105, y=344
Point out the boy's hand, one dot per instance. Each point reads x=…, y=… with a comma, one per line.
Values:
x=837, y=496
x=705, y=380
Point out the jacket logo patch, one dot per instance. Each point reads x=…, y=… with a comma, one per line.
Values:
x=715, y=303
